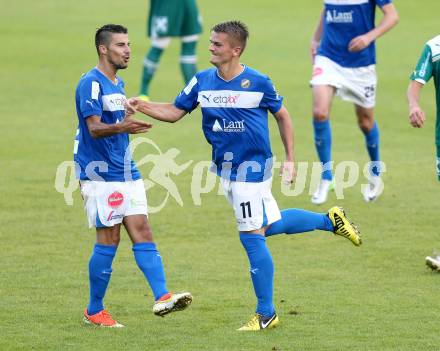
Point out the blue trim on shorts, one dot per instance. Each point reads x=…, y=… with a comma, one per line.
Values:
x=98, y=223
x=264, y=216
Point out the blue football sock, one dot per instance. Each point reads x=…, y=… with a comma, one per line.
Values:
x=323, y=144
x=262, y=270
x=150, y=263
x=100, y=270
x=372, y=142
x=294, y=221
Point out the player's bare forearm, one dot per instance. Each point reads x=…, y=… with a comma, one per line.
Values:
x=286, y=132
x=165, y=112
x=413, y=93
x=389, y=20
x=316, y=38
x=416, y=115
x=100, y=129
x=318, y=31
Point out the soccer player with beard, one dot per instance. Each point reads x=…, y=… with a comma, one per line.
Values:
x=111, y=184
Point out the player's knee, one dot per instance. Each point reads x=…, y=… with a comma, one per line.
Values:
x=320, y=113
x=365, y=124
x=145, y=232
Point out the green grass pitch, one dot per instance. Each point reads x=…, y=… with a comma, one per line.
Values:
x=329, y=294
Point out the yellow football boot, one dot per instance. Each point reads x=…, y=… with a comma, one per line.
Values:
x=343, y=227
x=258, y=322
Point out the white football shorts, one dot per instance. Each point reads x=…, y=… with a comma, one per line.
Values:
x=107, y=203
x=357, y=85
x=253, y=203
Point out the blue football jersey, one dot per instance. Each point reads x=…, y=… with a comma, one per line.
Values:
x=235, y=121
x=107, y=158
x=344, y=20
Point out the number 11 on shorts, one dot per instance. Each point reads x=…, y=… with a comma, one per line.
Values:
x=243, y=208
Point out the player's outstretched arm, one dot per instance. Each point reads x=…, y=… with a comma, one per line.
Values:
x=129, y=125
x=287, y=170
x=416, y=115
x=165, y=112
x=389, y=20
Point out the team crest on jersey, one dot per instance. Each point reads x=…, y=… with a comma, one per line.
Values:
x=245, y=83
x=115, y=199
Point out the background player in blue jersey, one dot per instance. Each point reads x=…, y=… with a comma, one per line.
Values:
x=344, y=58
x=235, y=100
x=111, y=185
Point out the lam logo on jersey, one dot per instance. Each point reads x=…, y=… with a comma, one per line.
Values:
x=217, y=127
x=334, y=16
x=228, y=126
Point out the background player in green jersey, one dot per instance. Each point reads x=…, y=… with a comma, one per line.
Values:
x=167, y=19
x=427, y=67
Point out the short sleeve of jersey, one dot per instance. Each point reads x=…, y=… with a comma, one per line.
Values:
x=382, y=3
x=271, y=100
x=423, y=71
x=89, y=93
x=187, y=100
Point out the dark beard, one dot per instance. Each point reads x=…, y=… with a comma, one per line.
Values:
x=118, y=67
